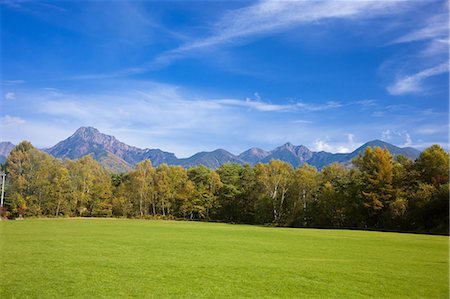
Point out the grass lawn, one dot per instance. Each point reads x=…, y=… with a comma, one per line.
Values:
x=133, y=258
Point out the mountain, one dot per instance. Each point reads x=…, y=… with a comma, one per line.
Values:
x=111, y=153
x=112, y=162
x=159, y=157
x=253, y=155
x=5, y=148
x=88, y=140
x=118, y=156
x=408, y=152
x=297, y=155
x=322, y=159
x=294, y=155
x=212, y=159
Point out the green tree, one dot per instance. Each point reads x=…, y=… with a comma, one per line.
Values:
x=28, y=176
x=376, y=167
x=170, y=183
x=121, y=204
x=305, y=184
x=433, y=165
x=230, y=192
x=60, y=191
x=207, y=183
x=331, y=207
x=90, y=187
x=142, y=180
x=276, y=178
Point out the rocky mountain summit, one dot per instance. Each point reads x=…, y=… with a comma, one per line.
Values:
x=118, y=156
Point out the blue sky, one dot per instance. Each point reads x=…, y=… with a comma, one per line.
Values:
x=188, y=76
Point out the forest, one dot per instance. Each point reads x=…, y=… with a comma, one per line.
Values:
x=378, y=191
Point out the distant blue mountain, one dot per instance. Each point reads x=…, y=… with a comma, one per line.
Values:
x=5, y=148
x=118, y=156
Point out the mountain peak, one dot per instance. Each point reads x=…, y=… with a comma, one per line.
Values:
x=258, y=152
x=293, y=154
x=293, y=148
x=119, y=156
x=94, y=136
x=289, y=146
x=5, y=148
x=253, y=155
x=409, y=152
x=87, y=129
x=376, y=142
x=84, y=131
x=90, y=141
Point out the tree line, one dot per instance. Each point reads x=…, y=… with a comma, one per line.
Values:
x=379, y=191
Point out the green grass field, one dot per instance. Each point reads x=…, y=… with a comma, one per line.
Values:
x=133, y=258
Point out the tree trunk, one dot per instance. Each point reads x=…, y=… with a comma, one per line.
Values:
x=283, y=194
x=57, y=208
x=305, y=222
x=274, y=196
x=163, y=207
x=140, y=206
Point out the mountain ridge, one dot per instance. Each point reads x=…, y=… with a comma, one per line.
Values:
x=118, y=156
x=5, y=148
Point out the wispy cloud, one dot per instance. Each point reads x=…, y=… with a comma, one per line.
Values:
x=10, y=96
x=413, y=83
x=402, y=138
x=336, y=146
x=243, y=25
x=9, y=120
x=302, y=121
x=436, y=27
x=12, y=82
x=165, y=116
x=267, y=107
x=433, y=34
x=366, y=103
x=267, y=17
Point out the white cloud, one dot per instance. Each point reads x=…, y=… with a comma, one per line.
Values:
x=413, y=83
x=432, y=130
x=322, y=145
x=267, y=17
x=386, y=135
x=436, y=27
x=302, y=121
x=68, y=108
x=34, y=131
x=239, y=26
x=273, y=16
x=164, y=116
x=267, y=107
x=8, y=120
x=368, y=103
x=433, y=35
x=402, y=138
x=408, y=140
x=336, y=147
x=172, y=119
x=435, y=48
x=10, y=96
x=351, y=139
x=12, y=82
